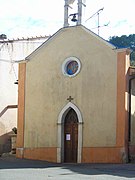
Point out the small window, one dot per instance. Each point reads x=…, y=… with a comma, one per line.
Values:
x=71, y=66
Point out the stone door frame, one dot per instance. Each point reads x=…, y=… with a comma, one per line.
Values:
x=60, y=132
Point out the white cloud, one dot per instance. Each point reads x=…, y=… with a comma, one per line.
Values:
x=32, y=17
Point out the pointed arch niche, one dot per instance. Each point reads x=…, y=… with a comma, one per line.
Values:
x=60, y=135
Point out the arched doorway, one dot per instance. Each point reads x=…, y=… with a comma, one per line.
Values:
x=60, y=128
x=70, y=137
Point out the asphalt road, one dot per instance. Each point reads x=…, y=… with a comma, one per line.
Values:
x=17, y=169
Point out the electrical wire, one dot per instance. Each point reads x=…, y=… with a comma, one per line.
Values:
x=13, y=61
x=7, y=61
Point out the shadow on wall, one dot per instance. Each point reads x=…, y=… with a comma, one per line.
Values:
x=132, y=122
x=132, y=139
x=5, y=143
x=133, y=128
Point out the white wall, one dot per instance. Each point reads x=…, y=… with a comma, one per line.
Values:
x=11, y=51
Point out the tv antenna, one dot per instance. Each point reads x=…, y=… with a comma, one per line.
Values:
x=97, y=14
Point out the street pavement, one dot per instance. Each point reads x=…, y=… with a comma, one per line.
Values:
x=12, y=168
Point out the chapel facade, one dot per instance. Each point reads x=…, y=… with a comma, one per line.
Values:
x=76, y=100
x=73, y=100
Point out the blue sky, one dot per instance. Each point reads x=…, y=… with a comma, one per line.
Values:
x=44, y=17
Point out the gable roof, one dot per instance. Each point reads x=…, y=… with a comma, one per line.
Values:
x=61, y=31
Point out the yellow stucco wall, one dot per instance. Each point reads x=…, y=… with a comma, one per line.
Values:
x=93, y=89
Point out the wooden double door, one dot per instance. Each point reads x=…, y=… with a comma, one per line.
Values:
x=71, y=137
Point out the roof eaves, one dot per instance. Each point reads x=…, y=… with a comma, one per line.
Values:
x=100, y=38
x=46, y=42
x=128, y=50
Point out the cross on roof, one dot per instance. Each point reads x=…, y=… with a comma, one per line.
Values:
x=70, y=98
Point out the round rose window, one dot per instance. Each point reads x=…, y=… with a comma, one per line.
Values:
x=71, y=66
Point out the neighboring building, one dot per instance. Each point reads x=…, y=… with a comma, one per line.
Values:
x=131, y=116
x=74, y=100
x=11, y=51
